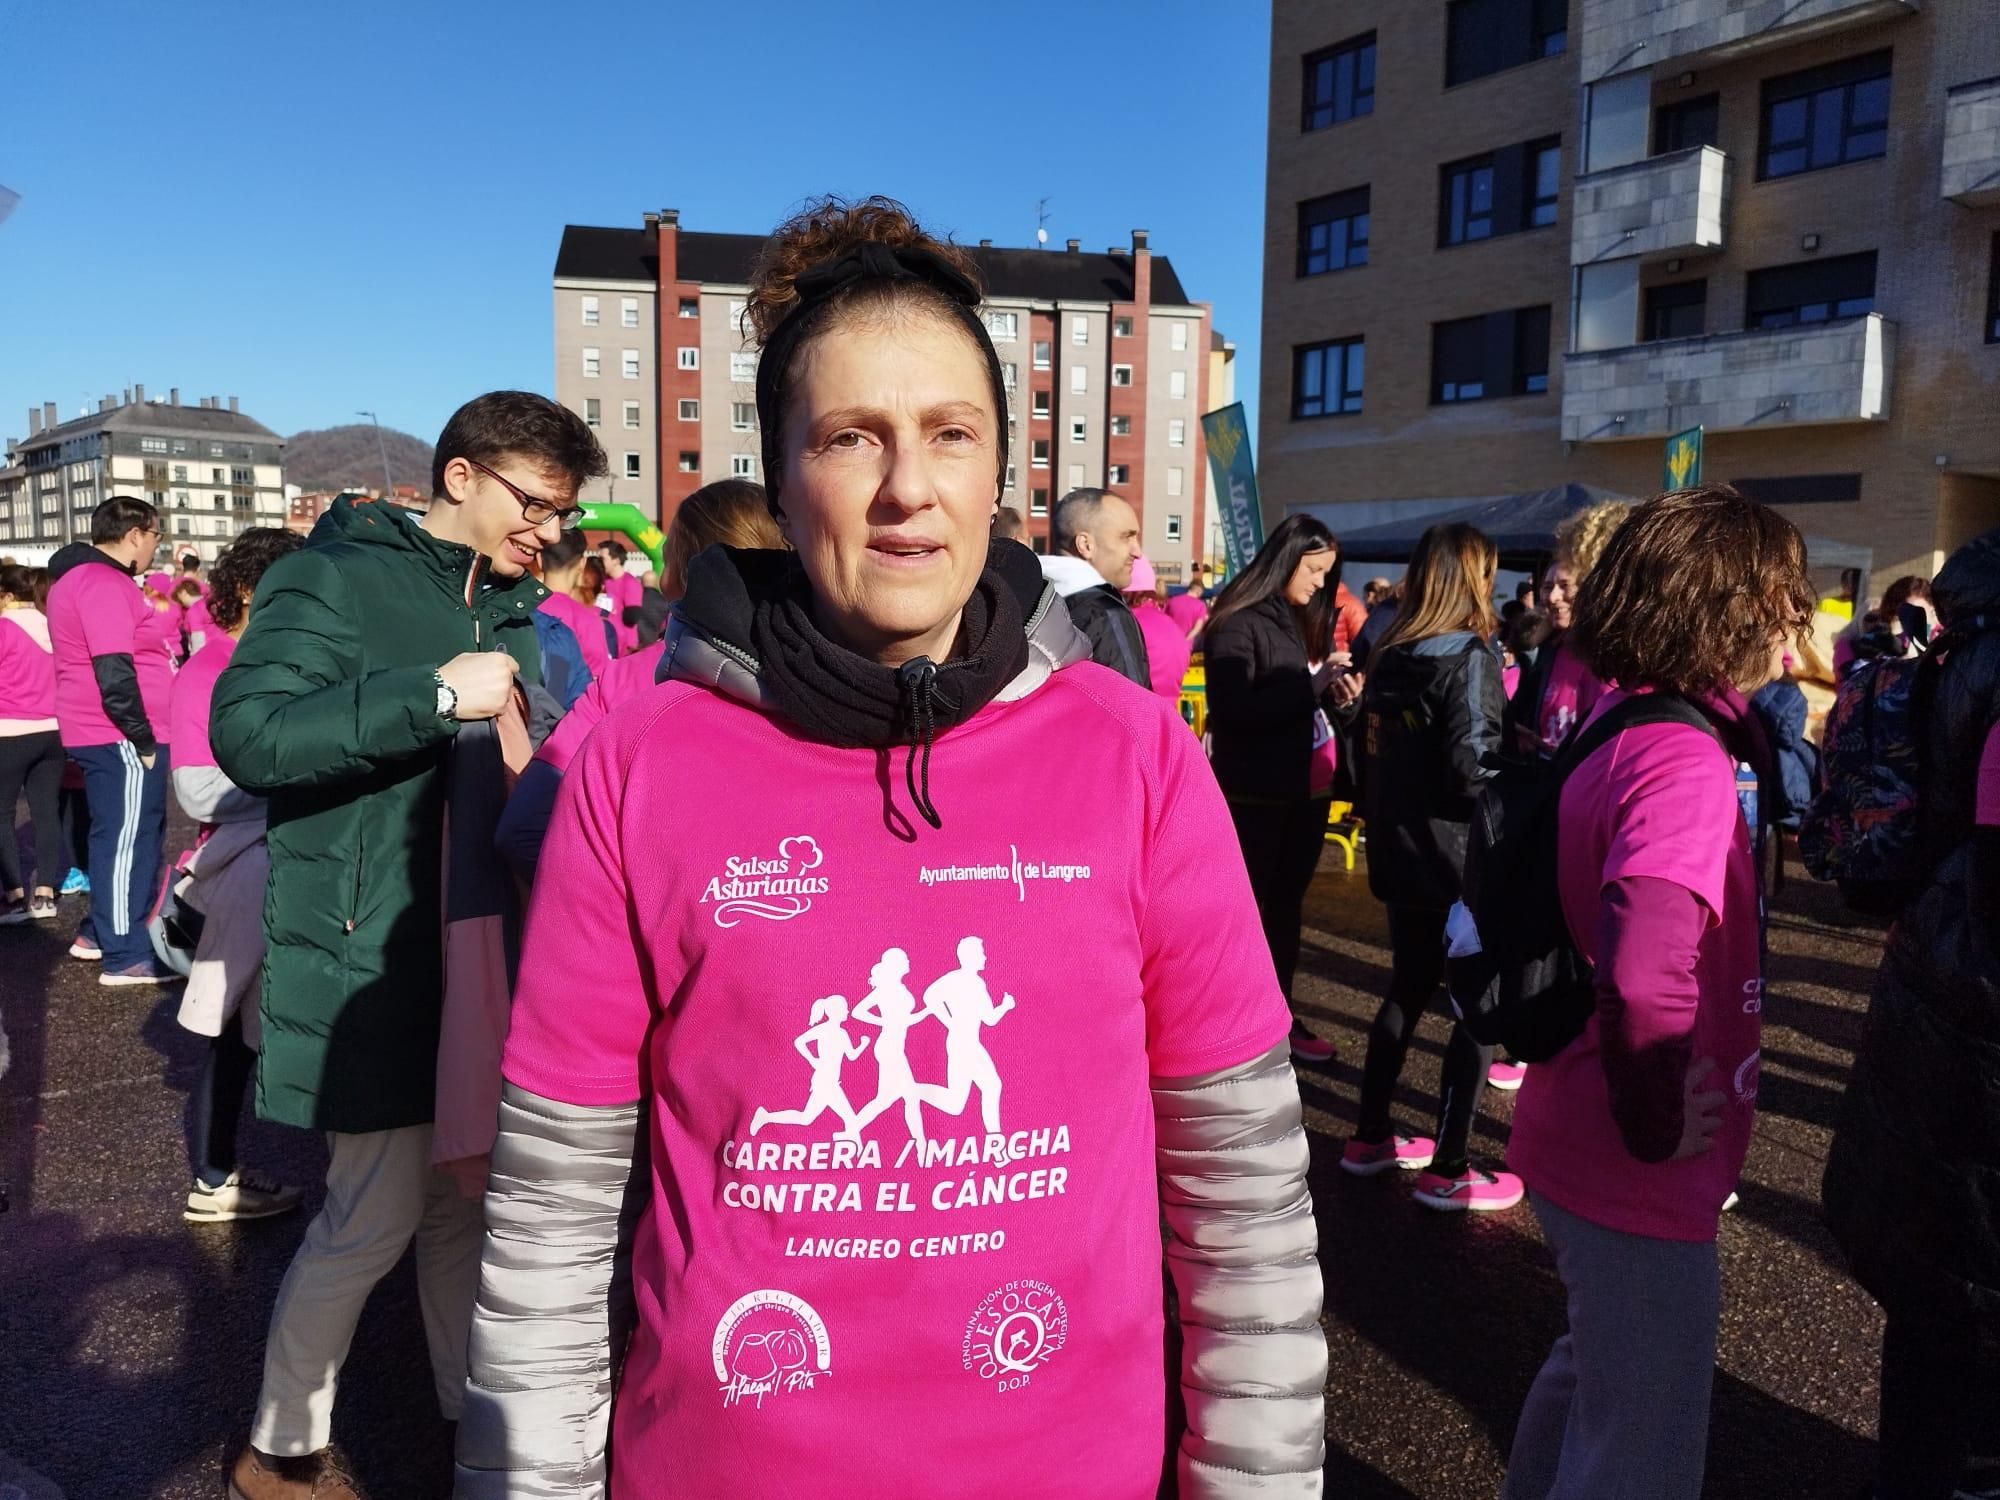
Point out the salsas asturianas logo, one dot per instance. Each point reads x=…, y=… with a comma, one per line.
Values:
x=769, y=1343
x=775, y=887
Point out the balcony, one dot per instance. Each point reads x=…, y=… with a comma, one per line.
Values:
x=1809, y=375
x=1620, y=35
x=1972, y=144
x=1662, y=206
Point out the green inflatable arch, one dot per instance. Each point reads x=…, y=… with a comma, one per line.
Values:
x=630, y=521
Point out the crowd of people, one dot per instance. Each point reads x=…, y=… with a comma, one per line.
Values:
x=858, y=760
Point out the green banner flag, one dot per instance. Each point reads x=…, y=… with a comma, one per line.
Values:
x=1683, y=467
x=1235, y=484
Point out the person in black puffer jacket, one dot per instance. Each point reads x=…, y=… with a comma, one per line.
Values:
x=1430, y=724
x=1266, y=723
x=1912, y=1186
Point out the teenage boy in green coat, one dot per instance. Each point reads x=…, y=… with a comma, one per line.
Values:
x=365, y=653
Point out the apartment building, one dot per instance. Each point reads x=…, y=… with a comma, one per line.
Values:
x=210, y=468
x=1511, y=244
x=1109, y=366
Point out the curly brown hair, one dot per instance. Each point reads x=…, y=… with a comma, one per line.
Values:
x=1689, y=592
x=234, y=576
x=1581, y=538
x=825, y=230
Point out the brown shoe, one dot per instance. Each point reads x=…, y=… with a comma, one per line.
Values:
x=314, y=1476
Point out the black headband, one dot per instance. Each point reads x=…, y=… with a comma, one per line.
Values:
x=871, y=261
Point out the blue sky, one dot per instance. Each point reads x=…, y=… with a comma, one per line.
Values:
x=322, y=208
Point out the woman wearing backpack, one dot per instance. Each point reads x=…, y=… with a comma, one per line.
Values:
x=1912, y=1187
x=1632, y=1137
x=1430, y=724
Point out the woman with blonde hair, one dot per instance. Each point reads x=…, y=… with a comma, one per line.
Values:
x=1430, y=724
x=1558, y=691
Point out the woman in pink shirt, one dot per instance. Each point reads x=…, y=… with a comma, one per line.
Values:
x=1631, y=1138
x=1557, y=693
x=1168, y=650
x=836, y=828
x=31, y=753
x=563, y=564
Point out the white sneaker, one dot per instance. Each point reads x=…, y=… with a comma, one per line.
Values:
x=242, y=1195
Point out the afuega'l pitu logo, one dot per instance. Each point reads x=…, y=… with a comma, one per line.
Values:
x=769, y=1343
x=776, y=887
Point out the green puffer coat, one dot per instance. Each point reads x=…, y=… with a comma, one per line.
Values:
x=328, y=708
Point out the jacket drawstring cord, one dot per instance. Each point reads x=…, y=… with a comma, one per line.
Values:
x=918, y=680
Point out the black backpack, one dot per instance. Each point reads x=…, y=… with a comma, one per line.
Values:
x=1529, y=989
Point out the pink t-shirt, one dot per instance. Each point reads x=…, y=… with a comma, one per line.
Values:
x=27, y=673
x=1186, y=611
x=1658, y=802
x=194, y=687
x=199, y=623
x=624, y=679
x=1572, y=692
x=587, y=623
x=1168, y=650
x=624, y=590
x=866, y=1272
x=96, y=609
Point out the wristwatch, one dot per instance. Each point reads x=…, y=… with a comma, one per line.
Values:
x=447, y=700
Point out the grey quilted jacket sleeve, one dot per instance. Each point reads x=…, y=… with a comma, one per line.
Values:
x=1244, y=1253
x=538, y=1393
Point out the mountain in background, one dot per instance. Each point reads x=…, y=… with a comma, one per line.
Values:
x=335, y=458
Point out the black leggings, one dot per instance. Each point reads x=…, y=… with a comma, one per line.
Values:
x=1281, y=848
x=1416, y=945
x=1936, y=1401
x=33, y=761
x=216, y=1103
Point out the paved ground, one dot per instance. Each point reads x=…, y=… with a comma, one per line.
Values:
x=129, y=1341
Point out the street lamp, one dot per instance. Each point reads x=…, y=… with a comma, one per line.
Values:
x=388, y=484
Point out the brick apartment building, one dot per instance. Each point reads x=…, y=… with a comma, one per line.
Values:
x=1109, y=367
x=1511, y=244
x=210, y=468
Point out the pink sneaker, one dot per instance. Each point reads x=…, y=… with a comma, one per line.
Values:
x=1474, y=1190
x=1506, y=1076
x=1308, y=1048
x=1412, y=1153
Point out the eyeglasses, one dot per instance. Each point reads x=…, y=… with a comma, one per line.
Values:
x=536, y=511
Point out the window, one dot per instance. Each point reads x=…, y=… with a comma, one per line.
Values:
x=181, y=470
x=591, y=364
x=215, y=450
x=690, y=463
x=1339, y=83
x=1117, y=474
x=1993, y=296
x=687, y=357
x=1490, y=36
x=152, y=445
x=1003, y=327
x=1079, y=430
x=1038, y=454
x=690, y=307
x=1810, y=291
x=1824, y=117
x=1333, y=236
x=743, y=368
x=1039, y=403
x=1079, y=379
x=628, y=312
x=1802, y=489
x=1076, y=476
x=1174, y=525
x=180, y=446
x=1177, y=339
x=1079, y=331
x=631, y=415
x=1177, y=385
x=1498, y=354
x=1042, y=354
x=631, y=464
x=1121, y=328
x=1175, y=479
x=1678, y=310
x=1326, y=379
x=1121, y=426
x=1010, y=477
x=1038, y=501
x=738, y=306
x=215, y=476
x=742, y=466
x=628, y=364
x=690, y=411
x=593, y=416
x=1177, y=432
x=589, y=312
x=1503, y=192
x=742, y=416
x=1687, y=124
x=1121, y=374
